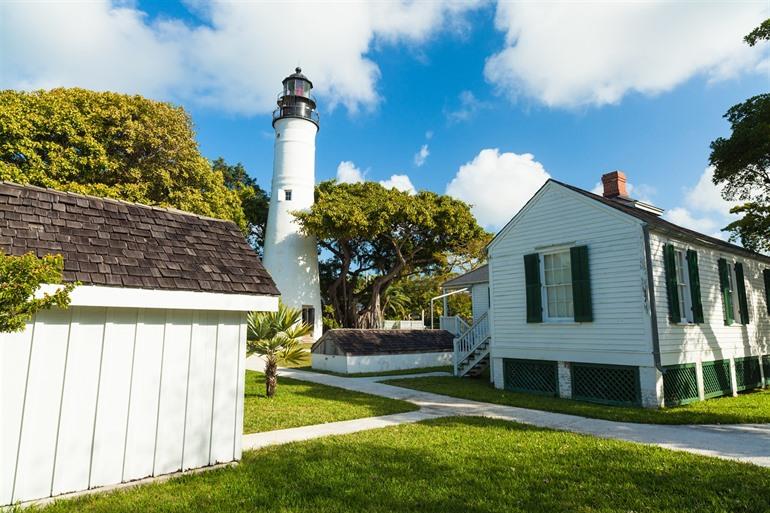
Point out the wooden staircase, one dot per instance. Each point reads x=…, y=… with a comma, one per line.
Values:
x=471, y=349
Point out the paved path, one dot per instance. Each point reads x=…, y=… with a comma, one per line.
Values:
x=746, y=442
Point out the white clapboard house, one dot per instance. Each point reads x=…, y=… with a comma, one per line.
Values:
x=599, y=298
x=143, y=374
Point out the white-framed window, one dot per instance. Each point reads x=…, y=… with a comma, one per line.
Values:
x=287, y=194
x=556, y=277
x=683, y=285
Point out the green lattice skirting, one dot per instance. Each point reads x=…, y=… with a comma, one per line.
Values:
x=766, y=368
x=536, y=376
x=716, y=378
x=608, y=384
x=747, y=373
x=680, y=384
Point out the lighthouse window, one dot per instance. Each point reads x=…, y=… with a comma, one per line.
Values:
x=287, y=194
x=308, y=315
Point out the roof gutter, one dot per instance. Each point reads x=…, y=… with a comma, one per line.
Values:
x=651, y=292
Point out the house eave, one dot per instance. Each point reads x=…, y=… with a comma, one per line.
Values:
x=119, y=297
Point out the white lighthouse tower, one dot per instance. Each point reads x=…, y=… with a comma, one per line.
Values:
x=290, y=257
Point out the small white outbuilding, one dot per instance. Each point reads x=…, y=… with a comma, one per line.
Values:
x=143, y=374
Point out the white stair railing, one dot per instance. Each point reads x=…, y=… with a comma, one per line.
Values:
x=454, y=324
x=468, y=342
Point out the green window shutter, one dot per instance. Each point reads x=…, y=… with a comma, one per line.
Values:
x=532, y=278
x=724, y=285
x=692, y=268
x=766, y=274
x=740, y=284
x=669, y=258
x=581, y=284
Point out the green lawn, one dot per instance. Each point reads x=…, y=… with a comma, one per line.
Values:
x=454, y=465
x=299, y=403
x=445, y=368
x=753, y=407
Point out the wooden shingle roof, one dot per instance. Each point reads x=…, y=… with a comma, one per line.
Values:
x=358, y=342
x=478, y=275
x=115, y=243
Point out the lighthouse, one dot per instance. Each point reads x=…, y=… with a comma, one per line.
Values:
x=290, y=257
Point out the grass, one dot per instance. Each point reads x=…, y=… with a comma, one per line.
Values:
x=299, y=403
x=454, y=465
x=753, y=407
x=444, y=368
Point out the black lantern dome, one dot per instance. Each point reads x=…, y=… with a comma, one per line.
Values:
x=295, y=101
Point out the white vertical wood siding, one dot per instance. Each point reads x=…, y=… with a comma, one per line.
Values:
x=621, y=331
x=479, y=300
x=712, y=340
x=96, y=396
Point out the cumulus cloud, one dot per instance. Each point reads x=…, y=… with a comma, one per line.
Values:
x=703, y=209
x=233, y=61
x=400, y=182
x=568, y=54
x=497, y=185
x=347, y=172
x=421, y=156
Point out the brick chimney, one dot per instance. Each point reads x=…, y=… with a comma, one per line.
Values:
x=615, y=185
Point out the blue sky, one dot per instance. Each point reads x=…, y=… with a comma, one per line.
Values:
x=641, y=97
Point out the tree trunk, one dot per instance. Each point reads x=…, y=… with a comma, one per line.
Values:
x=271, y=377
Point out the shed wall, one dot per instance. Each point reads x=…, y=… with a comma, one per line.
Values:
x=93, y=396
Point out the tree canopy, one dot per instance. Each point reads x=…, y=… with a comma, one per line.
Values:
x=742, y=164
x=375, y=236
x=254, y=199
x=20, y=278
x=111, y=145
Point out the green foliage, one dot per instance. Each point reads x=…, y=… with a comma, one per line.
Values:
x=761, y=33
x=376, y=236
x=276, y=336
x=254, y=199
x=20, y=278
x=742, y=165
x=110, y=145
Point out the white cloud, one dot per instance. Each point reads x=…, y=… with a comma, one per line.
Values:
x=468, y=108
x=400, y=182
x=497, y=185
x=703, y=209
x=568, y=54
x=233, y=61
x=421, y=156
x=347, y=172
x=429, y=135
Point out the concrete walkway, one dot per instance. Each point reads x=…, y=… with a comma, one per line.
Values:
x=746, y=442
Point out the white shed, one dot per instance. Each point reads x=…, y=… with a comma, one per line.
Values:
x=143, y=375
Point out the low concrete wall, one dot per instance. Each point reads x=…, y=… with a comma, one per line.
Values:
x=379, y=363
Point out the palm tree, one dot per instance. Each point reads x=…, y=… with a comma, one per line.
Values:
x=276, y=336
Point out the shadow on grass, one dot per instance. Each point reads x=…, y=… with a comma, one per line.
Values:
x=456, y=465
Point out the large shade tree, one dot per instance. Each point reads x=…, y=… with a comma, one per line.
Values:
x=742, y=163
x=254, y=199
x=374, y=236
x=111, y=145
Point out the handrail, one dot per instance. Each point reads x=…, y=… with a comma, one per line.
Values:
x=471, y=339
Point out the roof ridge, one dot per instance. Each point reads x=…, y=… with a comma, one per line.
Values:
x=171, y=210
x=651, y=218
